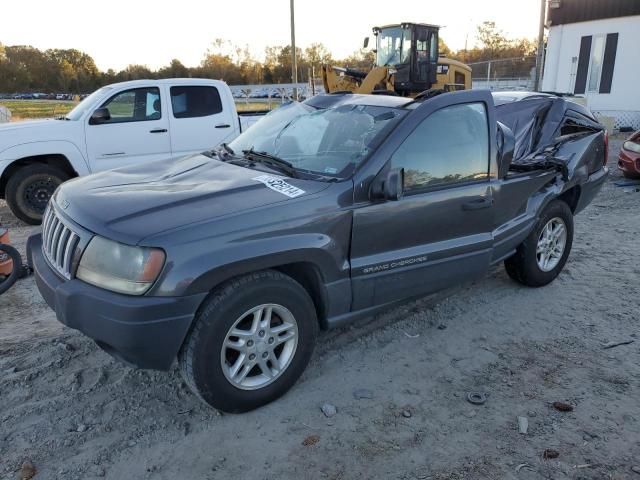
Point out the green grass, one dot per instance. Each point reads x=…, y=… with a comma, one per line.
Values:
x=241, y=106
x=27, y=109
x=30, y=109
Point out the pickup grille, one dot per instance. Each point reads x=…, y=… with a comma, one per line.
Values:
x=59, y=243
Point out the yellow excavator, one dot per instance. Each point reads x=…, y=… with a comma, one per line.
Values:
x=407, y=64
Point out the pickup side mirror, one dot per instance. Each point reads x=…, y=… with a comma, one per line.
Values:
x=389, y=186
x=365, y=44
x=101, y=115
x=506, y=146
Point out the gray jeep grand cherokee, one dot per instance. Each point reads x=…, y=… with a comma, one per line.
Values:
x=324, y=211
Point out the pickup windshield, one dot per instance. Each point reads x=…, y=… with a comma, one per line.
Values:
x=328, y=142
x=88, y=102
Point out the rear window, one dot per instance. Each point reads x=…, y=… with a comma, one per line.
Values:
x=196, y=101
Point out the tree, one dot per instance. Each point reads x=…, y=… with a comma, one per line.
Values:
x=316, y=55
x=67, y=76
x=175, y=70
x=75, y=66
x=362, y=59
x=491, y=38
x=24, y=68
x=515, y=55
x=134, y=72
x=218, y=63
x=443, y=48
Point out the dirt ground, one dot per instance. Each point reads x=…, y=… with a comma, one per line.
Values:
x=399, y=383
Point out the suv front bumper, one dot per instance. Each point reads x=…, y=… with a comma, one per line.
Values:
x=146, y=332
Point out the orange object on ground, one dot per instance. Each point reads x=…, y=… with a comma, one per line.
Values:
x=6, y=264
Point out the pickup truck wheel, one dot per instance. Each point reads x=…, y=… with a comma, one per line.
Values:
x=250, y=342
x=29, y=190
x=541, y=257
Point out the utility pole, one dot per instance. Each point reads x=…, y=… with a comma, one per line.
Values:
x=540, y=54
x=294, y=66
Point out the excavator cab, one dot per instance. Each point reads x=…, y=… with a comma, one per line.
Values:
x=407, y=64
x=411, y=49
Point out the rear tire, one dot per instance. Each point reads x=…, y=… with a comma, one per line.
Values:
x=30, y=188
x=531, y=265
x=211, y=359
x=631, y=176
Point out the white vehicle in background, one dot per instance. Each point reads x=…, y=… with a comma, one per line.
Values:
x=120, y=124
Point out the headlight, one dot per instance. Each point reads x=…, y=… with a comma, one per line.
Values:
x=120, y=268
x=631, y=146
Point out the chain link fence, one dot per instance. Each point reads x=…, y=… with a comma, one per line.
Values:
x=516, y=73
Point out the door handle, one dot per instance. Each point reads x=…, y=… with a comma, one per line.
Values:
x=478, y=203
x=158, y=130
x=223, y=125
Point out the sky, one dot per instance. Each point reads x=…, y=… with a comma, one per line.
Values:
x=117, y=33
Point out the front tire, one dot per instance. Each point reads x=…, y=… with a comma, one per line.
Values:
x=30, y=188
x=251, y=340
x=540, y=258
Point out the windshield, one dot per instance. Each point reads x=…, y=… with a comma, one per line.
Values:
x=328, y=142
x=260, y=134
x=394, y=46
x=82, y=107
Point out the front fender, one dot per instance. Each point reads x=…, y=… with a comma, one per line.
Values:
x=203, y=272
x=48, y=147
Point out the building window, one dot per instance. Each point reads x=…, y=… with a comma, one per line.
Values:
x=595, y=63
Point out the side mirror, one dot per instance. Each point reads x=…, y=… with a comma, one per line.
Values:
x=366, y=42
x=389, y=186
x=506, y=146
x=101, y=115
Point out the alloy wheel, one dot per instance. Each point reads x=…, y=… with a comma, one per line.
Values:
x=551, y=244
x=259, y=346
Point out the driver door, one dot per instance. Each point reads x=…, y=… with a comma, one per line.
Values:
x=440, y=232
x=137, y=132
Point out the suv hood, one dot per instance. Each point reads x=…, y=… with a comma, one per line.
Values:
x=132, y=203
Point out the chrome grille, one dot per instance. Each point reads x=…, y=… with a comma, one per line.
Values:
x=59, y=242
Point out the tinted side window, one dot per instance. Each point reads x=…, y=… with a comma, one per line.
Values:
x=190, y=102
x=137, y=105
x=449, y=146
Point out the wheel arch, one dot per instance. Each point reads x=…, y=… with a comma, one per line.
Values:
x=571, y=197
x=309, y=276
x=307, y=272
x=57, y=160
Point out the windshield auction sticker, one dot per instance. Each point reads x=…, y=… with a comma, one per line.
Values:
x=279, y=185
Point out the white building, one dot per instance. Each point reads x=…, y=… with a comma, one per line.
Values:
x=593, y=50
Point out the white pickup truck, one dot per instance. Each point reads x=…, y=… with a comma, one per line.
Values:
x=120, y=124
